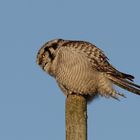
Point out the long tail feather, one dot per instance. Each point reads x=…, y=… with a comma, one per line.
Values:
x=127, y=76
x=122, y=75
x=125, y=84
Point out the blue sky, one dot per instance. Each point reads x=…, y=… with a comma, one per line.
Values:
x=32, y=107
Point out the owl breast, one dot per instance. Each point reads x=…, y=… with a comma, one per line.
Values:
x=74, y=72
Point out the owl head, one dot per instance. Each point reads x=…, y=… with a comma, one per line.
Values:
x=47, y=53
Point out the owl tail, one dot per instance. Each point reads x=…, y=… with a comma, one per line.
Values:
x=125, y=84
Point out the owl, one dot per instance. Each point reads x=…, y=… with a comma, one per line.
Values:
x=81, y=68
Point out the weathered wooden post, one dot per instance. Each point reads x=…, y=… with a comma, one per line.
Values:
x=76, y=117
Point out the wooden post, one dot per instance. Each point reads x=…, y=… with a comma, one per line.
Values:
x=76, y=117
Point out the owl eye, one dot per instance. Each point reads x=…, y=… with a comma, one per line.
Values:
x=43, y=55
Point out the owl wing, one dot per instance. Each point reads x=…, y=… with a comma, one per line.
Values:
x=97, y=58
x=101, y=63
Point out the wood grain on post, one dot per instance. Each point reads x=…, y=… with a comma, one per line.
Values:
x=76, y=117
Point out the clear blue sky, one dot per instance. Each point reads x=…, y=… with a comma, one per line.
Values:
x=31, y=105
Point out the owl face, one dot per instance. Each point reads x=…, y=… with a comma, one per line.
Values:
x=47, y=53
x=43, y=58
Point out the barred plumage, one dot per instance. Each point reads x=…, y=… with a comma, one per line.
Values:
x=80, y=67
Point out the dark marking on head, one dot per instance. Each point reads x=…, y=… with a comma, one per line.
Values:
x=54, y=46
x=46, y=49
x=54, y=43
